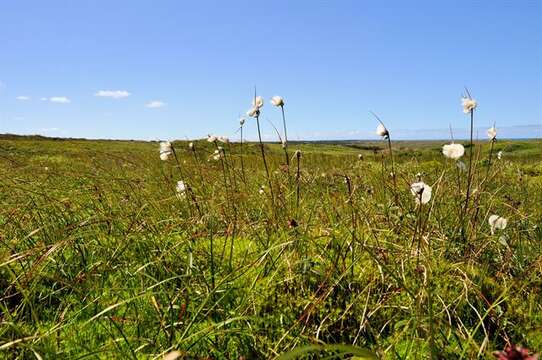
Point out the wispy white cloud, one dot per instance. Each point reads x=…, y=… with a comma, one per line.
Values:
x=44, y=99
x=155, y=104
x=23, y=98
x=60, y=99
x=114, y=94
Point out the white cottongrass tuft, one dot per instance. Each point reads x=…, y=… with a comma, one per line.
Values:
x=382, y=131
x=277, y=101
x=421, y=192
x=492, y=133
x=497, y=222
x=217, y=154
x=191, y=146
x=181, y=189
x=468, y=104
x=453, y=151
x=212, y=138
x=254, y=112
x=499, y=155
x=257, y=102
x=165, y=150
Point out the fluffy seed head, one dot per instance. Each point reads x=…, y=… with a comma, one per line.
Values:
x=421, y=192
x=254, y=112
x=499, y=155
x=181, y=188
x=382, y=131
x=492, y=133
x=277, y=101
x=468, y=104
x=257, y=102
x=453, y=151
x=165, y=150
x=497, y=222
x=211, y=138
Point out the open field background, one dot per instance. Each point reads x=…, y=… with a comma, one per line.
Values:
x=100, y=257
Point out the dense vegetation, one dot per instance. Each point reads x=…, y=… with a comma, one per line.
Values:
x=102, y=257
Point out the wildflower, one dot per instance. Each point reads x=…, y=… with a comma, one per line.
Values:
x=254, y=112
x=242, y=121
x=499, y=155
x=277, y=101
x=165, y=150
x=514, y=352
x=223, y=139
x=211, y=138
x=453, y=151
x=421, y=192
x=181, y=189
x=257, y=102
x=468, y=104
x=497, y=222
x=382, y=131
x=492, y=133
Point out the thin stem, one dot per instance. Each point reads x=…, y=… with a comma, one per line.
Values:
x=265, y=162
x=285, y=138
x=241, y=155
x=469, y=176
x=490, y=154
x=392, y=168
x=297, y=176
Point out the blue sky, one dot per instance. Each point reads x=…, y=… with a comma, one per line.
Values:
x=183, y=69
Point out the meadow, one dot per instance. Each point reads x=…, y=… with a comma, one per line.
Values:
x=105, y=255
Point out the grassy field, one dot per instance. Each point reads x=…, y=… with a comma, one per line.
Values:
x=101, y=257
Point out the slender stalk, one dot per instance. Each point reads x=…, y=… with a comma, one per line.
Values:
x=198, y=163
x=189, y=189
x=297, y=176
x=490, y=154
x=241, y=156
x=469, y=176
x=285, y=145
x=265, y=162
x=392, y=166
x=353, y=219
